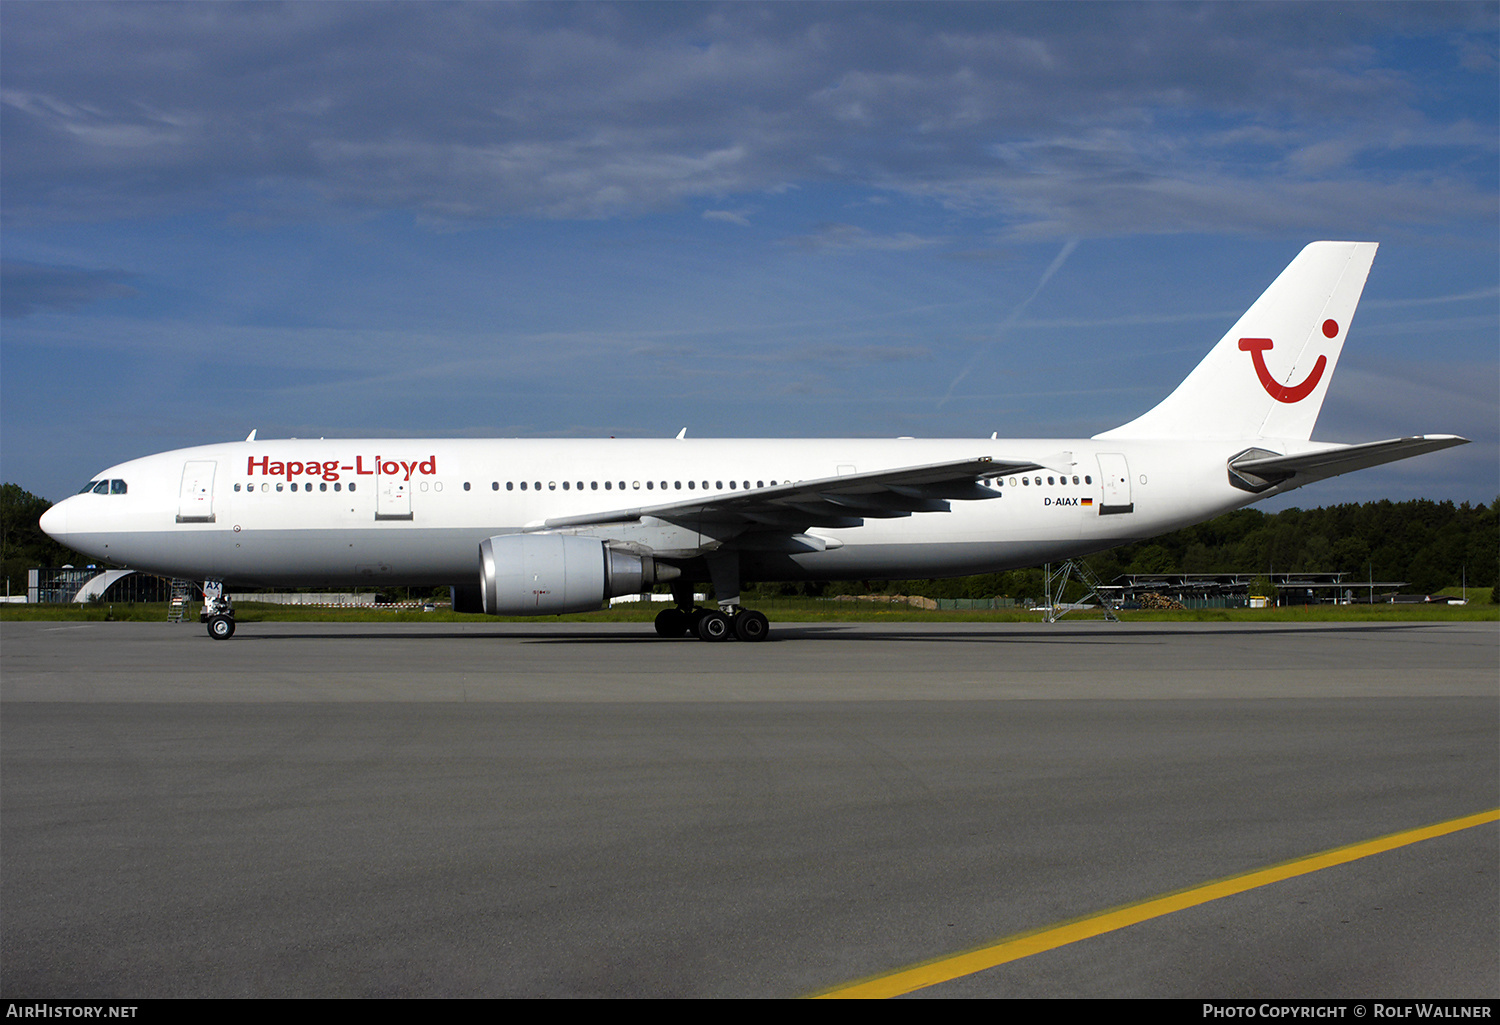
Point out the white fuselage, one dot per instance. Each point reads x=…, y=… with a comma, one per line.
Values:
x=413, y=512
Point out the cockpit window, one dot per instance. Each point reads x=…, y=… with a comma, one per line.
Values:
x=104, y=487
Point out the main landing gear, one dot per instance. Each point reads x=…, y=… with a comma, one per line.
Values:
x=730, y=619
x=713, y=624
x=217, y=613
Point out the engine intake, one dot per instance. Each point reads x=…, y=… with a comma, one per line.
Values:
x=551, y=574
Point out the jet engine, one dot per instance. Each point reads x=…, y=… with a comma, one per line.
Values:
x=550, y=574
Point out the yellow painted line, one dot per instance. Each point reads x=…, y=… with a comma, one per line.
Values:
x=1025, y=944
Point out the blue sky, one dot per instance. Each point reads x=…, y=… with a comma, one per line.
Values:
x=749, y=220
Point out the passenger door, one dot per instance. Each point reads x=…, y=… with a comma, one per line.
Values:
x=195, y=502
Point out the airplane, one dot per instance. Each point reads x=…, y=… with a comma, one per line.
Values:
x=539, y=526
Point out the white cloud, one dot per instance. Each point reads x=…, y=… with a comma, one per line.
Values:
x=1125, y=120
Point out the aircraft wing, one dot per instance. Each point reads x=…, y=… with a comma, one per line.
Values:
x=841, y=501
x=1261, y=470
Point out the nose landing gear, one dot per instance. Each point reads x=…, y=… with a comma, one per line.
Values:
x=217, y=613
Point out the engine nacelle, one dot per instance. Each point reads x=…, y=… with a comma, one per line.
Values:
x=550, y=574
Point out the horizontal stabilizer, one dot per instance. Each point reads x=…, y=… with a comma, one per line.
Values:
x=1256, y=470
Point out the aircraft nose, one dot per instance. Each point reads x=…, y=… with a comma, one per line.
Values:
x=55, y=521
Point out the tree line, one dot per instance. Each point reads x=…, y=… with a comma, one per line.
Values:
x=1428, y=545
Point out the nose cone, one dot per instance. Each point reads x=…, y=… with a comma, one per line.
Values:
x=55, y=521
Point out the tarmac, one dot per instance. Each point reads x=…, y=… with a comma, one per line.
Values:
x=573, y=810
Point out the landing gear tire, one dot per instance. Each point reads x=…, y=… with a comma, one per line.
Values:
x=221, y=628
x=750, y=625
x=672, y=623
x=714, y=626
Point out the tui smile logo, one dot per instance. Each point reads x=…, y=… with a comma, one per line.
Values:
x=1256, y=347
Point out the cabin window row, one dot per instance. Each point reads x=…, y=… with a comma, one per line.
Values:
x=104, y=487
x=322, y=486
x=1027, y=482
x=635, y=485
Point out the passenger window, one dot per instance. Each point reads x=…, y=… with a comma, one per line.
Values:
x=677, y=485
x=650, y=485
x=1025, y=482
x=236, y=487
x=552, y=485
x=536, y=485
x=565, y=486
x=731, y=486
x=692, y=485
x=294, y=486
x=323, y=486
x=1087, y=479
x=636, y=485
x=351, y=485
x=279, y=487
x=466, y=485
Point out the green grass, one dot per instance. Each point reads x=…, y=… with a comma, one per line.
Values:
x=779, y=610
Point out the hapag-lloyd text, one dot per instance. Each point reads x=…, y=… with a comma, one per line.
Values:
x=330, y=470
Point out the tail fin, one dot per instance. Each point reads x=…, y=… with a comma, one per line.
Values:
x=1267, y=377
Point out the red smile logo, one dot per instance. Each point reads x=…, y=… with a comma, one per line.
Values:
x=1283, y=393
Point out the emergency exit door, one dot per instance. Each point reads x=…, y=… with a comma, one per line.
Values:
x=392, y=498
x=1114, y=474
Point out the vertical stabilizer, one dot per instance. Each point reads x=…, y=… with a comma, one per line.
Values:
x=1267, y=377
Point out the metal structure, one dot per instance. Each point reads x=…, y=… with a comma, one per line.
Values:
x=1310, y=587
x=1056, y=581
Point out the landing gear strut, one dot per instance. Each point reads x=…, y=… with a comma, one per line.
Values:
x=729, y=620
x=217, y=612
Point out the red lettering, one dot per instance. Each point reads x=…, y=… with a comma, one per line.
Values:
x=359, y=463
x=390, y=468
x=263, y=461
x=429, y=465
